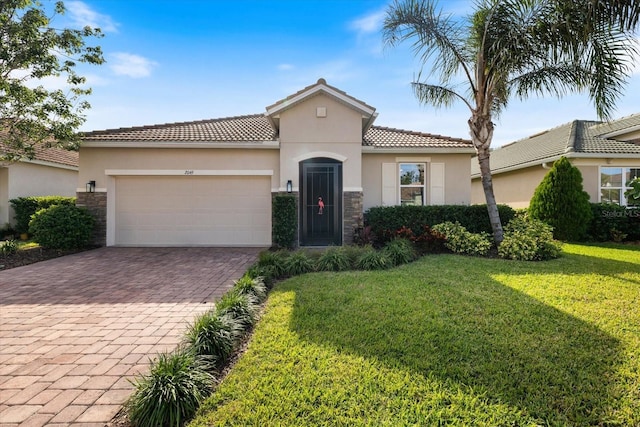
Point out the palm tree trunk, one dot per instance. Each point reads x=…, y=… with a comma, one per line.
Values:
x=481, y=128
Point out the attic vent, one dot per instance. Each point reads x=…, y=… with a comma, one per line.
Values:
x=321, y=112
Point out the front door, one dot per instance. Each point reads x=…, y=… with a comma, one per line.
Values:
x=321, y=202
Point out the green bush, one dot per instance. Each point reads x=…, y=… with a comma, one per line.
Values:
x=253, y=286
x=62, y=227
x=171, y=392
x=298, y=263
x=529, y=240
x=426, y=241
x=239, y=307
x=400, y=251
x=8, y=247
x=213, y=336
x=334, y=258
x=461, y=241
x=353, y=253
x=561, y=202
x=386, y=220
x=25, y=207
x=371, y=259
x=606, y=219
x=285, y=220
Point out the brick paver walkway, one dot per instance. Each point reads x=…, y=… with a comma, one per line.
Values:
x=73, y=329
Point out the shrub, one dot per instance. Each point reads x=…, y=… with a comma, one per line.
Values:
x=606, y=219
x=285, y=220
x=8, y=247
x=62, y=227
x=267, y=273
x=239, y=307
x=461, y=241
x=370, y=259
x=561, y=202
x=253, y=286
x=25, y=207
x=399, y=251
x=277, y=260
x=213, y=336
x=171, y=392
x=528, y=240
x=353, y=253
x=427, y=241
x=334, y=259
x=386, y=220
x=364, y=236
x=298, y=263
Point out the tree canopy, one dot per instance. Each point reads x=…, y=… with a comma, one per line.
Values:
x=32, y=49
x=516, y=48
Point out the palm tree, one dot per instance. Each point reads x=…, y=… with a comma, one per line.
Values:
x=508, y=48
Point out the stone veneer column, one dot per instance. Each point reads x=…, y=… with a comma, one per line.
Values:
x=353, y=217
x=96, y=204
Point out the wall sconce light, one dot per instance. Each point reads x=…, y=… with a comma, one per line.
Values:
x=289, y=186
x=91, y=187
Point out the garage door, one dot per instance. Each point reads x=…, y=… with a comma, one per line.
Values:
x=193, y=210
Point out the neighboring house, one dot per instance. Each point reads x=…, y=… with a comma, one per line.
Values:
x=211, y=182
x=607, y=154
x=53, y=172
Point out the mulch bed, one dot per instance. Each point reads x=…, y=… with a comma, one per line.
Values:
x=31, y=255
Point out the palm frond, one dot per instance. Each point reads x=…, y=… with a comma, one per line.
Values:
x=438, y=96
x=433, y=35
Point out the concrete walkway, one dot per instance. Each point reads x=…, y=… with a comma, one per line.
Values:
x=74, y=329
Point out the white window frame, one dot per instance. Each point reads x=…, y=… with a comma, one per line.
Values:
x=423, y=186
x=622, y=189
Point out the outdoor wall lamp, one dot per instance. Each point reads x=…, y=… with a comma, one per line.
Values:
x=289, y=186
x=91, y=187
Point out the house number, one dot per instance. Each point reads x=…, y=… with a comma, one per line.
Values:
x=188, y=172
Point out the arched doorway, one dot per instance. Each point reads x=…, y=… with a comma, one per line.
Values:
x=320, y=202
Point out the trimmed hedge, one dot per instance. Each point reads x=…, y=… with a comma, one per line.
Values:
x=62, y=227
x=284, y=221
x=386, y=220
x=25, y=207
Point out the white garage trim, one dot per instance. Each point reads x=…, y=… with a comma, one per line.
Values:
x=188, y=172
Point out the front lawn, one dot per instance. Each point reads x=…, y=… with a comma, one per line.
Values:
x=447, y=340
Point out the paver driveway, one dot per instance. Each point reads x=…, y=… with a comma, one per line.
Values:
x=73, y=329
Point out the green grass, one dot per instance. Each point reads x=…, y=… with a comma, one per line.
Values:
x=447, y=340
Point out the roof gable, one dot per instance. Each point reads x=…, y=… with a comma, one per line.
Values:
x=367, y=112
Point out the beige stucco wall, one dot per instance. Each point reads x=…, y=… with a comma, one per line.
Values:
x=4, y=196
x=303, y=135
x=516, y=188
x=457, y=175
x=29, y=179
x=94, y=161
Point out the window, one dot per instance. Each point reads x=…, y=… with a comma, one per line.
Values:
x=412, y=183
x=614, y=181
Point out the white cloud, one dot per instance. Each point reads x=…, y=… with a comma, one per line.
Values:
x=82, y=15
x=371, y=23
x=285, y=67
x=128, y=64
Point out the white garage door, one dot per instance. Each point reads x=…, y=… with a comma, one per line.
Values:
x=193, y=210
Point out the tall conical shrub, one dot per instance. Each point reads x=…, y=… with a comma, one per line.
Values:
x=561, y=202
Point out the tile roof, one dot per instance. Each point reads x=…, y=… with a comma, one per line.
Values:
x=580, y=137
x=52, y=155
x=384, y=137
x=256, y=127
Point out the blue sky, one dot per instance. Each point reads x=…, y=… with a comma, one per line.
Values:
x=172, y=61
